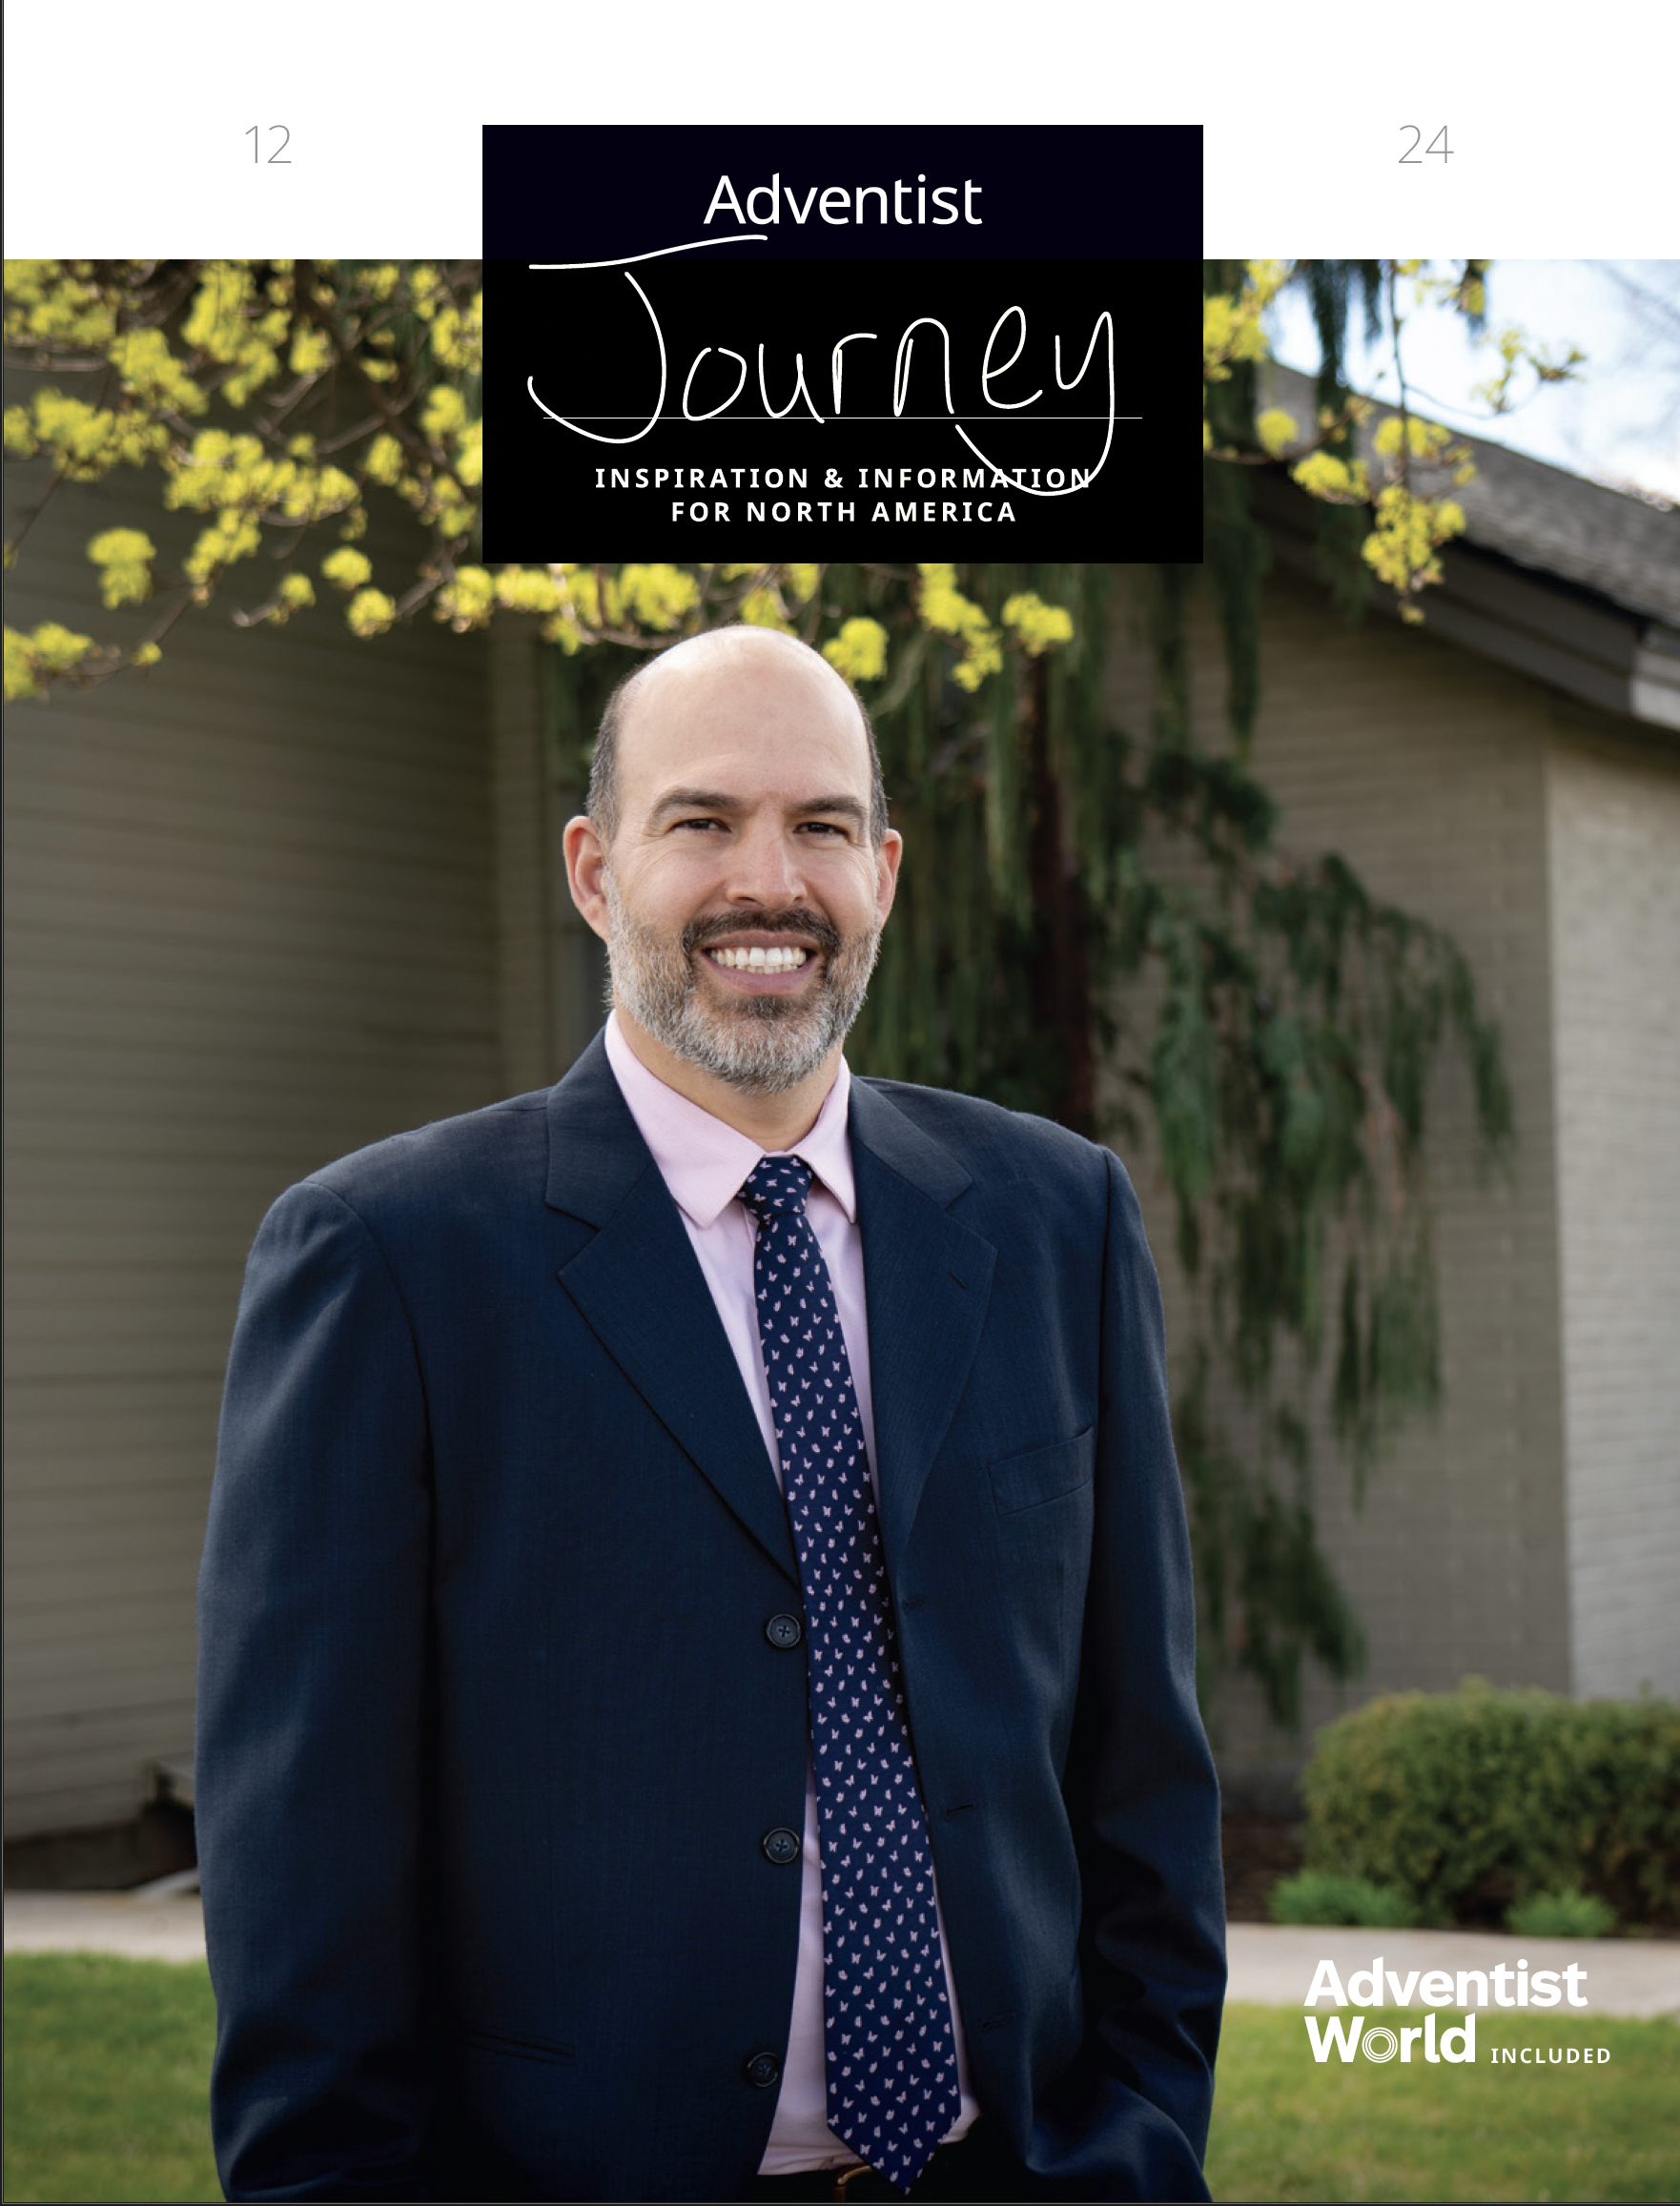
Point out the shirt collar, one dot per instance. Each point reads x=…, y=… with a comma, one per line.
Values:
x=705, y=1163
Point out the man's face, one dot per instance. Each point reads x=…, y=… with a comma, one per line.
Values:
x=743, y=898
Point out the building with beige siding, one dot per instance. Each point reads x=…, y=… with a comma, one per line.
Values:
x=1509, y=770
x=289, y=892
x=252, y=923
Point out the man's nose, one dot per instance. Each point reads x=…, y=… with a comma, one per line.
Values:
x=768, y=869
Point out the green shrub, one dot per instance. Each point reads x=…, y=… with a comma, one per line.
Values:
x=1570, y=1914
x=1318, y=1897
x=1472, y=1802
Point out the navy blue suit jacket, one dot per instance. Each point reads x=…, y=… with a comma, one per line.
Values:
x=490, y=1729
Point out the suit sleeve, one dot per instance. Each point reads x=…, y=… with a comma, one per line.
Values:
x=311, y=1607
x=1141, y=1791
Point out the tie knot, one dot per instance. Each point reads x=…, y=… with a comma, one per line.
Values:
x=776, y=1187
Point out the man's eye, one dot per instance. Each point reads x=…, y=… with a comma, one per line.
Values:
x=699, y=823
x=821, y=827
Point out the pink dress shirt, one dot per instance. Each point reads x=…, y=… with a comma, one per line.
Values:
x=703, y=1163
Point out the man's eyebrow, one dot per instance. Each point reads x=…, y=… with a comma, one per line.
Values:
x=718, y=801
x=847, y=808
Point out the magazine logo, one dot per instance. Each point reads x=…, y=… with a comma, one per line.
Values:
x=1005, y=345
x=786, y=331
x=844, y=203
x=1381, y=2043
x=1466, y=1990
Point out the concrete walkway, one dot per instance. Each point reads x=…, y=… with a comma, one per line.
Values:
x=1272, y=1965
x=169, y=1929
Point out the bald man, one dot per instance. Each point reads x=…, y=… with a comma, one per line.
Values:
x=696, y=1688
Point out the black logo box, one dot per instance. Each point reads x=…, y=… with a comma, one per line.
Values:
x=890, y=344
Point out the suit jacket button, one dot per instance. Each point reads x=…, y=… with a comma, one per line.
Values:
x=784, y=1631
x=763, y=2070
x=782, y=1847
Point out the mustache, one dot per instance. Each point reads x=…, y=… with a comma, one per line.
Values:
x=795, y=920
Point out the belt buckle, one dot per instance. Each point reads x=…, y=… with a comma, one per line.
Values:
x=847, y=2177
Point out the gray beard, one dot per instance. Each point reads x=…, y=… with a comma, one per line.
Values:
x=762, y=1045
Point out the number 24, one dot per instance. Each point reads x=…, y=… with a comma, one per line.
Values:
x=1437, y=145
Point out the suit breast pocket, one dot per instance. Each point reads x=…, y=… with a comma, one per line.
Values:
x=1040, y=1475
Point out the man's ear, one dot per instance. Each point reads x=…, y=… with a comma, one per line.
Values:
x=886, y=859
x=585, y=865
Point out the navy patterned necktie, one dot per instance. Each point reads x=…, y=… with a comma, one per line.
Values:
x=891, y=2054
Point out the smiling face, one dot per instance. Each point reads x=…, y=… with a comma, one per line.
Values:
x=741, y=897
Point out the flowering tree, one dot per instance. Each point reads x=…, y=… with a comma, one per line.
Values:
x=273, y=397
x=1401, y=493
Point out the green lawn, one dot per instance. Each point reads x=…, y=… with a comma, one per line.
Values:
x=107, y=2064
x=107, y=2078
x=1287, y=2128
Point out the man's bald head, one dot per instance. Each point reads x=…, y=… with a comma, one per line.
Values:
x=713, y=652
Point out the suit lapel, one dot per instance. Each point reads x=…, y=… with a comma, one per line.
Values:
x=928, y=1281
x=638, y=1287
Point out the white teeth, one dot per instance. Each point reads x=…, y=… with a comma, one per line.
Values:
x=759, y=960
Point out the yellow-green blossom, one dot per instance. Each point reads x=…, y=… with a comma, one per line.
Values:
x=528, y=590
x=1337, y=481
x=311, y=352
x=467, y=600
x=32, y=660
x=859, y=651
x=1275, y=430
x=124, y=556
x=382, y=460
x=346, y=569
x=442, y=413
x=1424, y=439
x=370, y=613
x=1037, y=626
x=657, y=596
x=946, y=610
